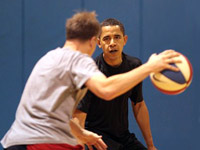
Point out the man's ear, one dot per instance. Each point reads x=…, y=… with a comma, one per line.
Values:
x=99, y=42
x=93, y=40
x=125, y=39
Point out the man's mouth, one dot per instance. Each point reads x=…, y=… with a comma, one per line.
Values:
x=113, y=51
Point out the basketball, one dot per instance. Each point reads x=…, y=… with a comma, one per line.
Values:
x=171, y=82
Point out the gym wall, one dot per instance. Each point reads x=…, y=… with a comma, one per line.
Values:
x=30, y=28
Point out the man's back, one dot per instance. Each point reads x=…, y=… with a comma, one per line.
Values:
x=61, y=74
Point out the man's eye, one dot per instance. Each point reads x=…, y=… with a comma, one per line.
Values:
x=117, y=37
x=106, y=38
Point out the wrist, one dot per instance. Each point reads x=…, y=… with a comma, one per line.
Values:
x=148, y=68
x=80, y=134
x=150, y=146
x=149, y=142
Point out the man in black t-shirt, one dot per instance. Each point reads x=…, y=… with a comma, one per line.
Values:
x=110, y=118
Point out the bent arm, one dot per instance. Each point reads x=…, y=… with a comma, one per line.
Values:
x=109, y=88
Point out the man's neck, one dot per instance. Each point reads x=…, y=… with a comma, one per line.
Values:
x=114, y=62
x=74, y=45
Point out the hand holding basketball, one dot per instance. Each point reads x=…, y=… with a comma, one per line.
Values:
x=159, y=62
x=173, y=82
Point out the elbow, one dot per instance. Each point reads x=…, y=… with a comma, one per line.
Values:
x=107, y=98
x=102, y=90
x=107, y=95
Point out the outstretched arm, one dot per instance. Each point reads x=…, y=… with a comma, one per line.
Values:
x=109, y=88
x=142, y=117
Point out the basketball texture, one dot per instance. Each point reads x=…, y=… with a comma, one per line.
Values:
x=171, y=82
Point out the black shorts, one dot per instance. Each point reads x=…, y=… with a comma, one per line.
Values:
x=130, y=142
x=17, y=147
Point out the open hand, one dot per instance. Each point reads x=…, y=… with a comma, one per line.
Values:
x=92, y=139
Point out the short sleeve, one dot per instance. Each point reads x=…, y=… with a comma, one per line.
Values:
x=82, y=69
x=137, y=95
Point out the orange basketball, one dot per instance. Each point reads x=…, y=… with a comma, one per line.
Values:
x=171, y=82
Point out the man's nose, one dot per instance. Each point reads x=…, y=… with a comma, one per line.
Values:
x=112, y=42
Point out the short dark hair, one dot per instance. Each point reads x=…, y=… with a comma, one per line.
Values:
x=113, y=22
x=82, y=26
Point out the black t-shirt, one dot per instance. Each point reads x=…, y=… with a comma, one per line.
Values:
x=111, y=117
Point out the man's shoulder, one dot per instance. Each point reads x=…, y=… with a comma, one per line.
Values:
x=132, y=60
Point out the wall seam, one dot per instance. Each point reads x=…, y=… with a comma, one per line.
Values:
x=22, y=43
x=141, y=54
x=82, y=5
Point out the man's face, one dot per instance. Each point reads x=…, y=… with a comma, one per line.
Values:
x=112, y=42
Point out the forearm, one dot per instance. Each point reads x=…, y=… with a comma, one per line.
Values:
x=76, y=129
x=142, y=118
x=109, y=88
x=119, y=84
x=81, y=116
